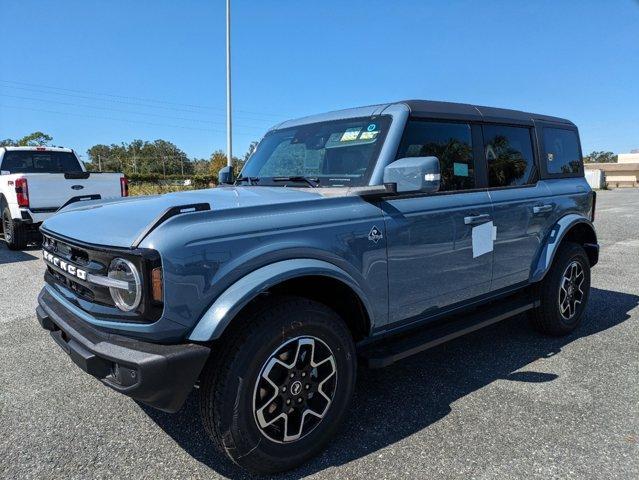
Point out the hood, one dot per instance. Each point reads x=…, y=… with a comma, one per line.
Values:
x=119, y=223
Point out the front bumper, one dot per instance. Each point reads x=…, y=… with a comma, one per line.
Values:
x=161, y=376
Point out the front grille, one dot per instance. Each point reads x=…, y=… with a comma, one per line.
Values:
x=82, y=291
x=95, y=260
x=71, y=253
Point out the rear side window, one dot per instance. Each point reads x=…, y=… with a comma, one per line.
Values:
x=450, y=142
x=561, y=150
x=509, y=155
x=27, y=161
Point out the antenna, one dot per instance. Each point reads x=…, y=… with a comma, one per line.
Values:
x=229, y=135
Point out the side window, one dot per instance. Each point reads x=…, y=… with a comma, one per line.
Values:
x=450, y=142
x=561, y=151
x=509, y=155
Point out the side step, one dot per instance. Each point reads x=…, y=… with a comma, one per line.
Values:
x=389, y=350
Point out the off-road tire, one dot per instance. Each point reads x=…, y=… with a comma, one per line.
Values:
x=228, y=382
x=14, y=233
x=548, y=318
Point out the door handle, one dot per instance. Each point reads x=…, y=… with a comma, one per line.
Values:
x=475, y=219
x=542, y=209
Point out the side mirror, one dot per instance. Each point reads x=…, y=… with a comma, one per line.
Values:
x=226, y=175
x=414, y=174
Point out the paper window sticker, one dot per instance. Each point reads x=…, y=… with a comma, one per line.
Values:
x=368, y=135
x=460, y=169
x=494, y=233
x=350, y=134
x=482, y=239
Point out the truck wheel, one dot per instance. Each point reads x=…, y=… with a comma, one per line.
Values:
x=14, y=233
x=563, y=292
x=280, y=384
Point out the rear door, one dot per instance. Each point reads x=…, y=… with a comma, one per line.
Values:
x=521, y=203
x=431, y=264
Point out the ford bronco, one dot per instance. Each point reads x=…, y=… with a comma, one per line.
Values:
x=357, y=236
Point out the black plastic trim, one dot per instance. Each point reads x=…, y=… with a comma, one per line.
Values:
x=161, y=376
x=382, y=354
x=81, y=198
x=77, y=175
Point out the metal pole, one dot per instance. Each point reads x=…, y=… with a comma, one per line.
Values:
x=229, y=136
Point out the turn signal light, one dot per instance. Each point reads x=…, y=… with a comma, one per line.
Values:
x=156, y=285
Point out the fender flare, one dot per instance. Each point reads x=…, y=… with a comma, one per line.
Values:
x=553, y=240
x=220, y=314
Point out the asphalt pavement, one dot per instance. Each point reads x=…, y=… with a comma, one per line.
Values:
x=502, y=403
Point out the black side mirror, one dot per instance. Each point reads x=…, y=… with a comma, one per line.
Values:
x=226, y=176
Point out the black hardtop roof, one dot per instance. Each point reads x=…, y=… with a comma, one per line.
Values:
x=429, y=108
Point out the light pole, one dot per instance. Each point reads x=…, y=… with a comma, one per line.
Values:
x=229, y=136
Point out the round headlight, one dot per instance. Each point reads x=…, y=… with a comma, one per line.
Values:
x=126, y=299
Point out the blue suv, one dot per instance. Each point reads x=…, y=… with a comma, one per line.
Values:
x=357, y=236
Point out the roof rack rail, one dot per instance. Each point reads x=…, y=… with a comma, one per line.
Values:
x=168, y=213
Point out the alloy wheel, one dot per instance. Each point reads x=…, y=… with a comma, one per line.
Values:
x=294, y=389
x=571, y=292
x=6, y=228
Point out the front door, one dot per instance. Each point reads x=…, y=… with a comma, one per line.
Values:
x=431, y=260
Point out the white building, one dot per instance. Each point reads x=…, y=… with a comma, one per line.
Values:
x=628, y=157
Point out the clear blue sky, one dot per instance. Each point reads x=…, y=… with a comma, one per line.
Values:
x=89, y=71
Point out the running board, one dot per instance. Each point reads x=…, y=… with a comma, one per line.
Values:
x=390, y=350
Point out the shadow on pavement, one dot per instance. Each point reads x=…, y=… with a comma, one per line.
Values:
x=426, y=385
x=14, y=256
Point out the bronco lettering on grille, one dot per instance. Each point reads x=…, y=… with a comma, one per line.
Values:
x=64, y=265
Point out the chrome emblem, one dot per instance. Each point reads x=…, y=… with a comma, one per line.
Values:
x=77, y=187
x=296, y=388
x=375, y=235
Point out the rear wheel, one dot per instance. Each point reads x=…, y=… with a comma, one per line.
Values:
x=280, y=385
x=14, y=233
x=564, y=292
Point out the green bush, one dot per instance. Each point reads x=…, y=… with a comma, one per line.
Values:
x=199, y=181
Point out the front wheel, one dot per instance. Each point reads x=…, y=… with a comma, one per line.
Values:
x=563, y=292
x=280, y=385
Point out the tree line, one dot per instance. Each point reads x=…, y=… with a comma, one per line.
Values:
x=159, y=157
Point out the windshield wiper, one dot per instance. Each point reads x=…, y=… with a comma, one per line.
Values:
x=250, y=180
x=312, y=181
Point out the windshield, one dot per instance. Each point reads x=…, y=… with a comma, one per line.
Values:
x=338, y=153
x=27, y=161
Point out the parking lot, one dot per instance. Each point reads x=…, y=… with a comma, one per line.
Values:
x=503, y=402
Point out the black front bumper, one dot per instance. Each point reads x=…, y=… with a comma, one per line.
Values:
x=161, y=376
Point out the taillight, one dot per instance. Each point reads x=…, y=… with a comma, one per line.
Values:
x=594, y=205
x=124, y=186
x=22, y=192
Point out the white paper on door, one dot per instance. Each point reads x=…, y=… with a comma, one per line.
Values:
x=483, y=238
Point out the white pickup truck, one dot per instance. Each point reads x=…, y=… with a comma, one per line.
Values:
x=36, y=182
